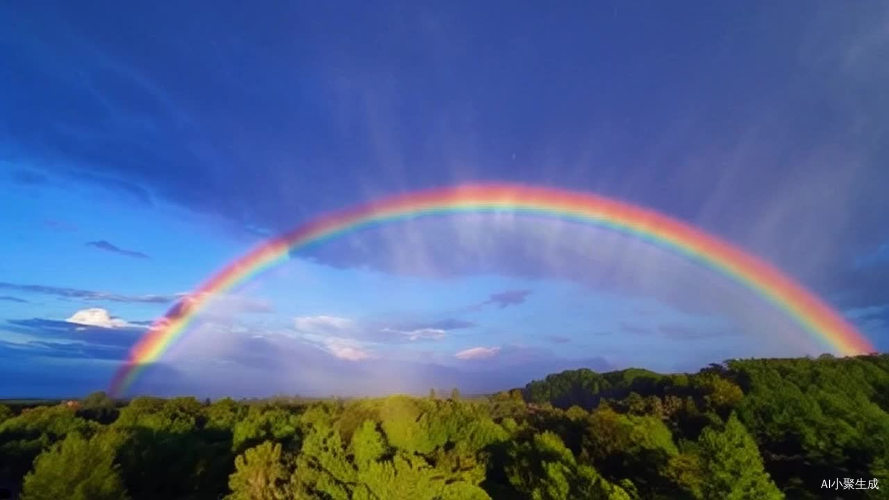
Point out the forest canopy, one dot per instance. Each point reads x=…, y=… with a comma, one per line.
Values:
x=754, y=428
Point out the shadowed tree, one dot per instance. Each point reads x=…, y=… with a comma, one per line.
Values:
x=623, y=445
x=5, y=413
x=99, y=407
x=34, y=430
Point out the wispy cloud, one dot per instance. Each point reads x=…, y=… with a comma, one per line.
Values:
x=110, y=247
x=322, y=324
x=69, y=339
x=334, y=335
x=430, y=330
x=634, y=329
x=78, y=293
x=867, y=312
x=679, y=331
x=132, y=190
x=346, y=349
x=507, y=298
x=227, y=304
x=376, y=332
x=477, y=353
x=69, y=350
x=442, y=324
x=28, y=177
x=419, y=333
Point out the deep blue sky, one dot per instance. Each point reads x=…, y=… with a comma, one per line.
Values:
x=142, y=147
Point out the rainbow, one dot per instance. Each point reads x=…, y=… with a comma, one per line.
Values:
x=816, y=317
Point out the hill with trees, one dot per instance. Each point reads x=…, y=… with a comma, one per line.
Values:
x=755, y=428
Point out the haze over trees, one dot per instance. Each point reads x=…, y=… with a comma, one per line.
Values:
x=753, y=428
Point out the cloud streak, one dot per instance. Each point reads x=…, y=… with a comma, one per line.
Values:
x=77, y=293
x=67, y=339
x=112, y=248
x=316, y=327
x=442, y=324
x=507, y=298
x=419, y=333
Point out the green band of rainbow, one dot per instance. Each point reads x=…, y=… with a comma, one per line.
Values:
x=816, y=317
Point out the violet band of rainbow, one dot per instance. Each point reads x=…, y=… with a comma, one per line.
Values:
x=815, y=316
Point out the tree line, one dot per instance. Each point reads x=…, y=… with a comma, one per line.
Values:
x=753, y=428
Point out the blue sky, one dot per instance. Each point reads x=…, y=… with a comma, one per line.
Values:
x=143, y=147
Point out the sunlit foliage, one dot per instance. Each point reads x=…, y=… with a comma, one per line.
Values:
x=745, y=429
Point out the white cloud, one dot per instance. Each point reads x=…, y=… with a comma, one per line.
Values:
x=346, y=349
x=96, y=316
x=333, y=334
x=419, y=333
x=321, y=324
x=477, y=353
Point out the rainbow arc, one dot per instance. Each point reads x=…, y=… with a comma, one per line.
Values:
x=815, y=316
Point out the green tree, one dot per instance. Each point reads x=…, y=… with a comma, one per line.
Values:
x=260, y=474
x=732, y=466
x=99, y=407
x=25, y=435
x=265, y=424
x=544, y=469
x=5, y=413
x=420, y=449
x=223, y=414
x=621, y=446
x=78, y=469
x=410, y=476
x=720, y=395
x=166, y=439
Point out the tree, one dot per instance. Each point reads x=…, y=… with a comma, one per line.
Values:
x=166, y=439
x=544, y=469
x=27, y=434
x=265, y=424
x=260, y=474
x=420, y=449
x=720, y=394
x=99, y=407
x=5, y=413
x=223, y=414
x=732, y=466
x=76, y=469
x=623, y=445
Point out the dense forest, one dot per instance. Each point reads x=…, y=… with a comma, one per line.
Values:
x=757, y=429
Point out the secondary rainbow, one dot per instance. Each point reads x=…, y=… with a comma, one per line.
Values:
x=817, y=318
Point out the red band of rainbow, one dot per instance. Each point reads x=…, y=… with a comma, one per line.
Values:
x=816, y=317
